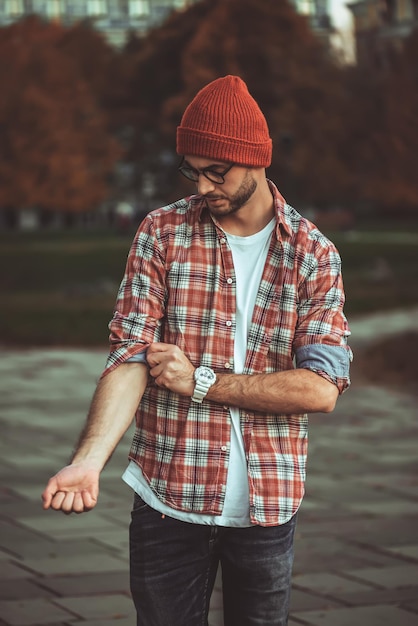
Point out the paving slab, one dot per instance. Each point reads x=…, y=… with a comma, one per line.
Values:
x=320, y=553
x=330, y=583
x=113, y=540
x=12, y=534
x=400, y=596
x=304, y=601
x=87, y=584
x=367, y=616
x=388, y=577
x=390, y=506
x=411, y=605
x=58, y=525
x=13, y=590
x=356, y=542
x=127, y=621
x=10, y=570
x=370, y=530
x=32, y=611
x=98, y=561
x=410, y=552
x=99, y=607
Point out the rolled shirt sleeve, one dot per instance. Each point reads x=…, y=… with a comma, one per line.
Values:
x=140, y=303
x=330, y=362
x=320, y=342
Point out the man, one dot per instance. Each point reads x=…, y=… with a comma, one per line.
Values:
x=228, y=329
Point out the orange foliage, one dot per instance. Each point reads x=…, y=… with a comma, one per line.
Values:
x=287, y=69
x=56, y=152
x=342, y=136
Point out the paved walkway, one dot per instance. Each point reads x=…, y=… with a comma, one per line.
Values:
x=357, y=538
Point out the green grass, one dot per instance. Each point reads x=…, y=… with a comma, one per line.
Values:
x=59, y=288
x=380, y=270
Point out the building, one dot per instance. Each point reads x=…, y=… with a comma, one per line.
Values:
x=317, y=12
x=116, y=17
x=112, y=17
x=380, y=27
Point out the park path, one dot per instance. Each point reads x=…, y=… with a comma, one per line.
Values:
x=357, y=538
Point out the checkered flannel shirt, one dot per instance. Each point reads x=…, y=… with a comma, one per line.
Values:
x=179, y=288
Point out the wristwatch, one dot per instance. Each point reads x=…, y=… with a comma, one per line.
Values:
x=204, y=378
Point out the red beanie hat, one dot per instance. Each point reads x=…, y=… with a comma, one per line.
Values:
x=224, y=122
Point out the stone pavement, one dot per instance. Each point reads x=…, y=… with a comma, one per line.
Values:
x=357, y=538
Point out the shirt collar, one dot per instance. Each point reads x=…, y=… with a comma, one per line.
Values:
x=283, y=222
x=197, y=204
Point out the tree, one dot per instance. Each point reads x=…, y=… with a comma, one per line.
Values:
x=383, y=134
x=286, y=67
x=56, y=152
x=99, y=65
x=396, y=182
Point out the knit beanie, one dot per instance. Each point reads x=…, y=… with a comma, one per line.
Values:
x=224, y=122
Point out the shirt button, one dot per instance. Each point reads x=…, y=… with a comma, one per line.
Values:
x=229, y=281
x=228, y=323
x=222, y=240
x=227, y=366
x=224, y=448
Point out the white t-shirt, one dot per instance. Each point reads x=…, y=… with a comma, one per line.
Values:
x=249, y=255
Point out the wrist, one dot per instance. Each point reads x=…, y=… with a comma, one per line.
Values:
x=91, y=461
x=204, y=378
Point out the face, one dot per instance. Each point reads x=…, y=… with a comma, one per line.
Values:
x=227, y=198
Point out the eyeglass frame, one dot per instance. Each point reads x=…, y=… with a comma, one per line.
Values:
x=220, y=176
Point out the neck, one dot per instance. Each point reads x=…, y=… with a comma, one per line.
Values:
x=253, y=216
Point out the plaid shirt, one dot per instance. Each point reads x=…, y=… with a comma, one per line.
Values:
x=179, y=288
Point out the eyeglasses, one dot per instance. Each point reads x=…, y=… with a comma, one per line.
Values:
x=193, y=174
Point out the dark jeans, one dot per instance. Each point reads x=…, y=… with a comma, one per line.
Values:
x=174, y=565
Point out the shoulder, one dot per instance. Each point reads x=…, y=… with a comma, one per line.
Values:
x=305, y=236
x=176, y=211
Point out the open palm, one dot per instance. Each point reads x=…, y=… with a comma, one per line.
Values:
x=74, y=489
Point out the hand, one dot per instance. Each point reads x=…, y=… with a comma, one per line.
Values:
x=74, y=489
x=171, y=368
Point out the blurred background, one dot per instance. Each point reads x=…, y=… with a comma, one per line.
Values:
x=92, y=92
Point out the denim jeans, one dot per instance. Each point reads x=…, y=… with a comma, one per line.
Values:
x=174, y=565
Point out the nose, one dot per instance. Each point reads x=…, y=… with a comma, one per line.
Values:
x=204, y=185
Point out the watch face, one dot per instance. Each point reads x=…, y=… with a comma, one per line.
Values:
x=205, y=375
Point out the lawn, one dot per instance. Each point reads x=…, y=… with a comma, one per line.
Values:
x=59, y=288
x=380, y=270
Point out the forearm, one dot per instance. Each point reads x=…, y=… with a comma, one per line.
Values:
x=111, y=412
x=293, y=391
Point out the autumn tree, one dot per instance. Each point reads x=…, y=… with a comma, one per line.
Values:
x=381, y=100
x=153, y=69
x=287, y=69
x=100, y=66
x=395, y=180
x=56, y=152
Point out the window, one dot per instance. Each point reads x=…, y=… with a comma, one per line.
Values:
x=96, y=7
x=14, y=7
x=39, y=7
x=75, y=8
x=113, y=9
x=53, y=8
x=138, y=7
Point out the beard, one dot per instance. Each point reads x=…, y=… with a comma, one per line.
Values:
x=236, y=201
